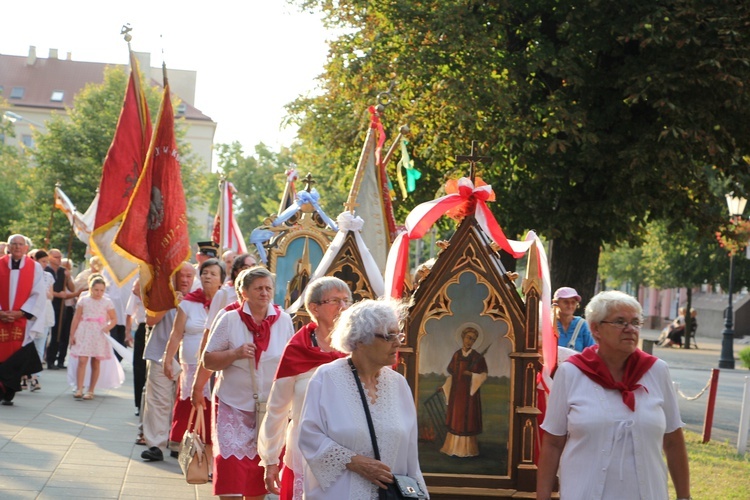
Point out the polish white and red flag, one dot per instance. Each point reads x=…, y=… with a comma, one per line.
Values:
x=227, y=233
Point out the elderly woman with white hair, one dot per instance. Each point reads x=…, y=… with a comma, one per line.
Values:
x=309, y=348
x=335, y=437
x=611, y=412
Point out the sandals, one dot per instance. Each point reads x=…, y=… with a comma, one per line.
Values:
x=78, y=395
x=88, y=396
x=34, y=385
x=140, y=440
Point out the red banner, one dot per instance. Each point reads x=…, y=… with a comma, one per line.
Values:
x=120, y=173
x=155, y=227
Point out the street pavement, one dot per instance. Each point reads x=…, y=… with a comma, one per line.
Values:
x=691, y=371
x=55, y=447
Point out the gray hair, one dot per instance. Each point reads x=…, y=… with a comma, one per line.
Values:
x=317, y=289
x=604, y=303
x=25, y=239
x=247, y=276
x=361, y=322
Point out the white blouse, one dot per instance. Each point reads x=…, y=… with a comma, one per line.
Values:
x=612, y=452
x=285, y=402
x=334, y=428
x=234, y=384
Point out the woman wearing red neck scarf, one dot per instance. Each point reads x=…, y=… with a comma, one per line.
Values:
x=612, y=410
x=245, y=347
x=310, y=347
x=186, y=335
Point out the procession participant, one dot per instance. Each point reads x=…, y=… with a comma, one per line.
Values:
x=186, y=335
x=309, y=348
x=614, y=406
x=63, y=289
x=159, y=395
x=335, y=437
x=206, y=250
x=245, y=344
x=22, y=302
x=136, y=313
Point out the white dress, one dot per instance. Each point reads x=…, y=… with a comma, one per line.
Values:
x=333, y=429
x=612, y=452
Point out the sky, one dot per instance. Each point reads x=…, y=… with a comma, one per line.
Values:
x=251, y=56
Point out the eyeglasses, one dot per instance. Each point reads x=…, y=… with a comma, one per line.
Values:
x=621, y=324
x=392, y=337
x=345, y=302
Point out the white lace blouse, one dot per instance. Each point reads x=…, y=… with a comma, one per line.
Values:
x=333, y=429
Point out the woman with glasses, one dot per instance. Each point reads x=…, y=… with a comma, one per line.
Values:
x=334, y=433
x=310, y=347
x=612, y=411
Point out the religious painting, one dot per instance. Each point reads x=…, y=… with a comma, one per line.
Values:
x=293, y=265
x=464, y=382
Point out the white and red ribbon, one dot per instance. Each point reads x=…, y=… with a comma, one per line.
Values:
x=420, y=220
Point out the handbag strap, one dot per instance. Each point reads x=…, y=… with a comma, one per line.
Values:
x=200, y=423
x=367, y=410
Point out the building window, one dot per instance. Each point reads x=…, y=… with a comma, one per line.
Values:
x=57, y=96
x=16, y=93
x=27, y=140
x=181, y=108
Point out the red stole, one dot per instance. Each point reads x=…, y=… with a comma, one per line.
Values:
x=261, y=333
x=198, y=296
x=300, y=355
x=12, y=334
x=594, y=368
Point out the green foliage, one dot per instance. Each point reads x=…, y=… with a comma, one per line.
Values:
x=600, y=117
x=259, y=180
x=72, y=152
x=14, y=164
x=745, y=357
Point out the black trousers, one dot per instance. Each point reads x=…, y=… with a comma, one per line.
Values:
x=139, y=364
x=57, y=349
x=118, y=333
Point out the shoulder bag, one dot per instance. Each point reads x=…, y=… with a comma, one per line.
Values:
x=193, y=457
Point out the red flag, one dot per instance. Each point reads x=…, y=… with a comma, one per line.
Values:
x=226, y=231
x=155, y=226
x=120, y=172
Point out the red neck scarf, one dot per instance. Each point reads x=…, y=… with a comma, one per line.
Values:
x=594, y=368
x=261, y=333
x=198, y=296
x=300, y=355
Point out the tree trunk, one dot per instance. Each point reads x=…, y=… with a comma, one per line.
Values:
x=575, y=265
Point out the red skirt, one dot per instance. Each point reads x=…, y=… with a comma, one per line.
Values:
x=287, y=484
x=233, y=476
x=181, y=415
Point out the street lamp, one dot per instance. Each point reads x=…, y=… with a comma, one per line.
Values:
x=736, y=205
x=15, y=117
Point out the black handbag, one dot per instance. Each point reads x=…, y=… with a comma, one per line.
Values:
x=402, y=486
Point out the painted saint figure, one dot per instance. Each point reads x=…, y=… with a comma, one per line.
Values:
x=467, y=372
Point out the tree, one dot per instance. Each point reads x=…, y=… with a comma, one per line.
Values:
x=72, y=152
x=600, y=117
x=259, y=180
x=13, y=164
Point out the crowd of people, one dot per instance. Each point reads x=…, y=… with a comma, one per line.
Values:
x=320, y=413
